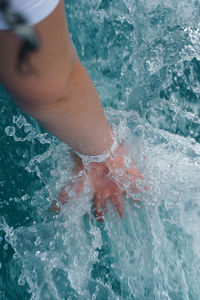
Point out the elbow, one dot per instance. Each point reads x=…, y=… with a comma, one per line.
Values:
x=44, y=87
x=46, y=90
x=43, y=91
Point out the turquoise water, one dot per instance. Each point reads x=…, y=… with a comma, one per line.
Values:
x=143, y=57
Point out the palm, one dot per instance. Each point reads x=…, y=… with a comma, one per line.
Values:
x=106, y=182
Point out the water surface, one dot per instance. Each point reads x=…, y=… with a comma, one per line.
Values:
x=143, y=57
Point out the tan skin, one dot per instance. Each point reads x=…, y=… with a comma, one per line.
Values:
x=61, y=96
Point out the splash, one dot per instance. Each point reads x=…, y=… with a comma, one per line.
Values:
x=153, y=251
x=146, y=55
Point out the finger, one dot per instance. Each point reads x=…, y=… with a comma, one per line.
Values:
x=99, y=205
x=63, y=197
x=78, y=186
x=118, y=204
x=55, y=206
x=134, y=189
x=134, y=200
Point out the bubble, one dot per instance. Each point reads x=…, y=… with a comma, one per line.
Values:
x=24, y=197
x=5, y=247
x=38, y=241
x=3, y=109
x=154, y=64
x=28, y=128
x=52, y=245
x=15, y=256
x=20, y=121
x=43, y=256
x=21, y=280
x=10, y=130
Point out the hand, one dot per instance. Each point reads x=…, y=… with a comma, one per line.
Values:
x=109, y=180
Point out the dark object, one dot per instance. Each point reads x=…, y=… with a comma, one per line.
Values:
x=29, y=38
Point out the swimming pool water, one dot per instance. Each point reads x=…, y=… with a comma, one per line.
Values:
x=144, y=58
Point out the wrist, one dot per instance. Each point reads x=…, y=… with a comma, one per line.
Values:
x=87, y=159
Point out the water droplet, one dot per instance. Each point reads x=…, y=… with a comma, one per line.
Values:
x=15, y=256
x=19, y=121
x=10, y=130
x=21, y=280
x=5, y=247
x=38, y=241
x=52, y=245
x=43, y=256
x=25, y=197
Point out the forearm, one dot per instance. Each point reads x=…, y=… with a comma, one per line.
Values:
x=59, y=94
x=78, y=118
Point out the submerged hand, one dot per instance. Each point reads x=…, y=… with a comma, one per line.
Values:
x=108, y=180
x=111, y=179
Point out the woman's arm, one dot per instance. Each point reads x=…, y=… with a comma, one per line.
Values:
x=59, y=94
